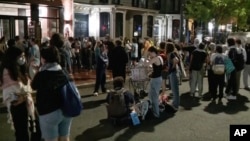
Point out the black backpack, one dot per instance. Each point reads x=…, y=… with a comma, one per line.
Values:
x=237, y=58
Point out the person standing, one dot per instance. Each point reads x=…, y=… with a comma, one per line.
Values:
x=101, y=65
x=246, y=72
x=242, y=60
x=134, y=51
x=16, y=95
x=198, y=58
x=54, y=125
x=231, y=89
x=156, y=79
x=217, y=62
x=34, y=59
x=172, y=71
x=119, y=60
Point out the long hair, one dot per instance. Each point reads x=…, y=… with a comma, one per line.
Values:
x=16, y=72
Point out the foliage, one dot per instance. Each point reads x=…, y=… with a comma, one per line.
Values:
x=222, y=11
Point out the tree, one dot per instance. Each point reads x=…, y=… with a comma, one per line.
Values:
x=222, y=11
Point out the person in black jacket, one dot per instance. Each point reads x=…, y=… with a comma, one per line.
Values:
x=119, y=60
x=47, y=82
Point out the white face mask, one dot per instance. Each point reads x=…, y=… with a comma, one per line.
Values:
x=21, y=61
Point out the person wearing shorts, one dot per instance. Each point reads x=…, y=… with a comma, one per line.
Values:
x=54, y=125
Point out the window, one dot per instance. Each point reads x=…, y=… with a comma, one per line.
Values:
x=144, y=3
x=116, y=2
x=176, y=5
x=137, y=30
x=150, y=26
x=157, y=4
x=140, y=3
x=176, y=29
x=104, y=24
x=119, y=25
x=81, y=25
x=104, y=1
x=135, y=3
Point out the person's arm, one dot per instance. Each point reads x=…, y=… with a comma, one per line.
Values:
x=244, y=54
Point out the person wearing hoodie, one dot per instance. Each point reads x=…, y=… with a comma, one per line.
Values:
x=54, y=125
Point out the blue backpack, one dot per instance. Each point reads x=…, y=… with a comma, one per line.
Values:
x=71, y=100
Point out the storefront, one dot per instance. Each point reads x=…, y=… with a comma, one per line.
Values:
x=35, y=18
x=116, y=21
x=167, y=26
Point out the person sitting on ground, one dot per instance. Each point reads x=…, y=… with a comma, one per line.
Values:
x=125, y=99
x=121, y=102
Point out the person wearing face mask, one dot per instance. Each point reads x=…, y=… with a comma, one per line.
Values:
x=16, y=95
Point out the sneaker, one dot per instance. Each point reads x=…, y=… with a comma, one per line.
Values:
x=95, y=93
x=231, y=97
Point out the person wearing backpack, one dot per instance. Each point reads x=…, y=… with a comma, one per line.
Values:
x=47, y=82
x=246, y=72
x=241, y=59
x=119, y=100
x=218, y=69
x=231, y=89
x=198, y=59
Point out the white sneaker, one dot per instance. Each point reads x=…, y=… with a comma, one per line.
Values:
x=231, y=97
x=96, y=94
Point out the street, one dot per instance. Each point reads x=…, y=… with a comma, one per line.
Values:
x=196, y=120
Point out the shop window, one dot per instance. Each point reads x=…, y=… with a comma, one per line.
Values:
x=104, y=24
x=137, y=30
x=116, y=2
x=119, y=25
x=150, y=26
x=81, y=25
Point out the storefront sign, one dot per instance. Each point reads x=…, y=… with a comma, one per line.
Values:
x=46, y=2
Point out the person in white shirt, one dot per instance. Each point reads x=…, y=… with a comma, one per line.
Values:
x=218, y=79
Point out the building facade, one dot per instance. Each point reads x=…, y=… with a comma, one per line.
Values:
x=34, y=18
x=117, y=18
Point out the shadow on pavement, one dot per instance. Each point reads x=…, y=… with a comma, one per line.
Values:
x=93, y=104
x=206, y=97
x=187, y=101
x=103, y=130
x=106, y=129
x=231, y=107
x=145, y=126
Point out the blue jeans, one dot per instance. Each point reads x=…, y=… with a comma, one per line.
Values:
x=154, y=90
x=175, y=89
x=100, y=78
x=55, y=124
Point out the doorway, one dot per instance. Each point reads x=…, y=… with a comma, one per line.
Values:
x=11, y=26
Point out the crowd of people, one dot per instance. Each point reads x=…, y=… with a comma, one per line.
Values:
x=25, y=67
